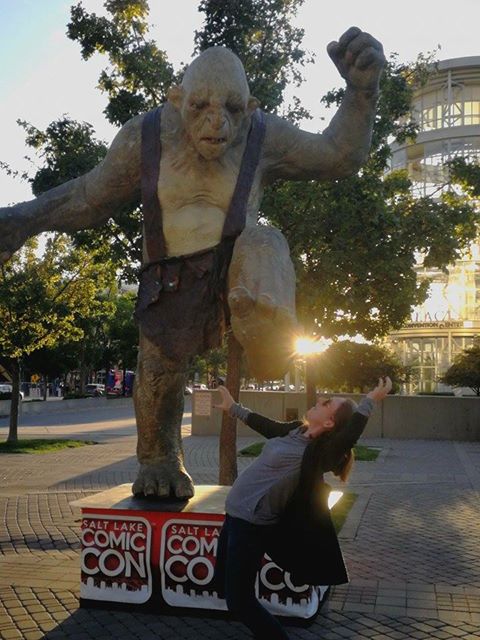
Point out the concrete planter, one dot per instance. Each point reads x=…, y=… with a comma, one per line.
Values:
x=413, y=417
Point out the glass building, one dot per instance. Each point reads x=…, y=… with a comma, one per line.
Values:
x=447, y=109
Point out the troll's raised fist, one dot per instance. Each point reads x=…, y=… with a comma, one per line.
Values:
x=359, y=58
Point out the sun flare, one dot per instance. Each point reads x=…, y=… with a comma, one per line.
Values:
x=308, y=346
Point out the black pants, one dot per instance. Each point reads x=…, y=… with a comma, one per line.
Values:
x=241, y=547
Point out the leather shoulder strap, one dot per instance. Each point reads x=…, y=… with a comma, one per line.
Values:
x=237, y=211
x=152, y=211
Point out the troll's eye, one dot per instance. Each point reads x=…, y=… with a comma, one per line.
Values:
x=234, y=108
x=198, y=105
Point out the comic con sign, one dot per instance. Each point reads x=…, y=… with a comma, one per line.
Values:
x=115, y=563
x=187, y=562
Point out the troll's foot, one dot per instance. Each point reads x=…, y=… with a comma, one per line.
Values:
x=163, y=479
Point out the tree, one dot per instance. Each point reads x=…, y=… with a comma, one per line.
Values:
x=136, y=79
x=68, y=149
x=44, y=300
x=55, y=146
x=210, y=366
x=122, y=334
x=51, y=362
x=93, y=349
x=354, y=241
x=466, y=173
x=352, y=367
x=139, y=74
x=261, y=34
x=465, y=370
x=110, y=337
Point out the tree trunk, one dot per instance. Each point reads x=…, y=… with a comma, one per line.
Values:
x=14, y=403
x=228, y=434
x=107, y=371
x=83, y=369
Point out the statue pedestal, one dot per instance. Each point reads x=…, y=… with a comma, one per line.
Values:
x=158, y=555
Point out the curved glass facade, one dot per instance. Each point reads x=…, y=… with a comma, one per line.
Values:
x=447, y=109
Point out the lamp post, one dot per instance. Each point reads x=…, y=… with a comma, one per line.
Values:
x=310, y=349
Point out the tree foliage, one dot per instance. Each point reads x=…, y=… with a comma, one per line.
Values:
x=52, y=362
x=466, y=173
x=122, y=332
x=44, y=300
x=465, y=370
x=139, y=73
x=261, y=33
x=351, y=367
x=109, y=338
x=68, y=149
x=210, y=366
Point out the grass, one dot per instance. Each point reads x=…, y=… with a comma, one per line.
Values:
x=41, y=445
x=252, y=451
x=365, y=454
x=340, y=511
x=361, y=453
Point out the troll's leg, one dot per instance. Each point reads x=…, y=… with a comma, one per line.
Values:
x=159, y=400
x=261, y=297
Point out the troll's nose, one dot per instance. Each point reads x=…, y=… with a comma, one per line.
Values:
x=216, y=118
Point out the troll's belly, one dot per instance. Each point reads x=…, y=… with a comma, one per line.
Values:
x=192, y=227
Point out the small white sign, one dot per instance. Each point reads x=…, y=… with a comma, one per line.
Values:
x=203, y=403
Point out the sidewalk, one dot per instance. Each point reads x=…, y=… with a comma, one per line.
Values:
x=411, y=541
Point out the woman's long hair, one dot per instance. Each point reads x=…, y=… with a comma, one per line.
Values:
x=341, y=419
x=313, y=464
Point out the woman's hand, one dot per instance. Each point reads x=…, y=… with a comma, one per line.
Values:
x=382, y=389
x=227, y=399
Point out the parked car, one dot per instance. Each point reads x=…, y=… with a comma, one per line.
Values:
x=6, y=387
x=95, y=390
x=199, y=386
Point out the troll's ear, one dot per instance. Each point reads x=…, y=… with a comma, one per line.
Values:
x=252, y=104
x=175, y=96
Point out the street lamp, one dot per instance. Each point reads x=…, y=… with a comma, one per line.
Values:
x=310, y=349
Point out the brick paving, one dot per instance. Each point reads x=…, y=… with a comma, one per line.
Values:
x=411, y=541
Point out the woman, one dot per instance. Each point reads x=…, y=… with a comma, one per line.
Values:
x=279, y=504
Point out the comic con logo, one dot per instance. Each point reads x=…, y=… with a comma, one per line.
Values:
x=116, y=550
x=188, y=554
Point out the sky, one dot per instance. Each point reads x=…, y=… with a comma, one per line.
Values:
x=43, y=76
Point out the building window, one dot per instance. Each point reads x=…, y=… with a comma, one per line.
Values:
x=472, y=112
x=444, y=116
